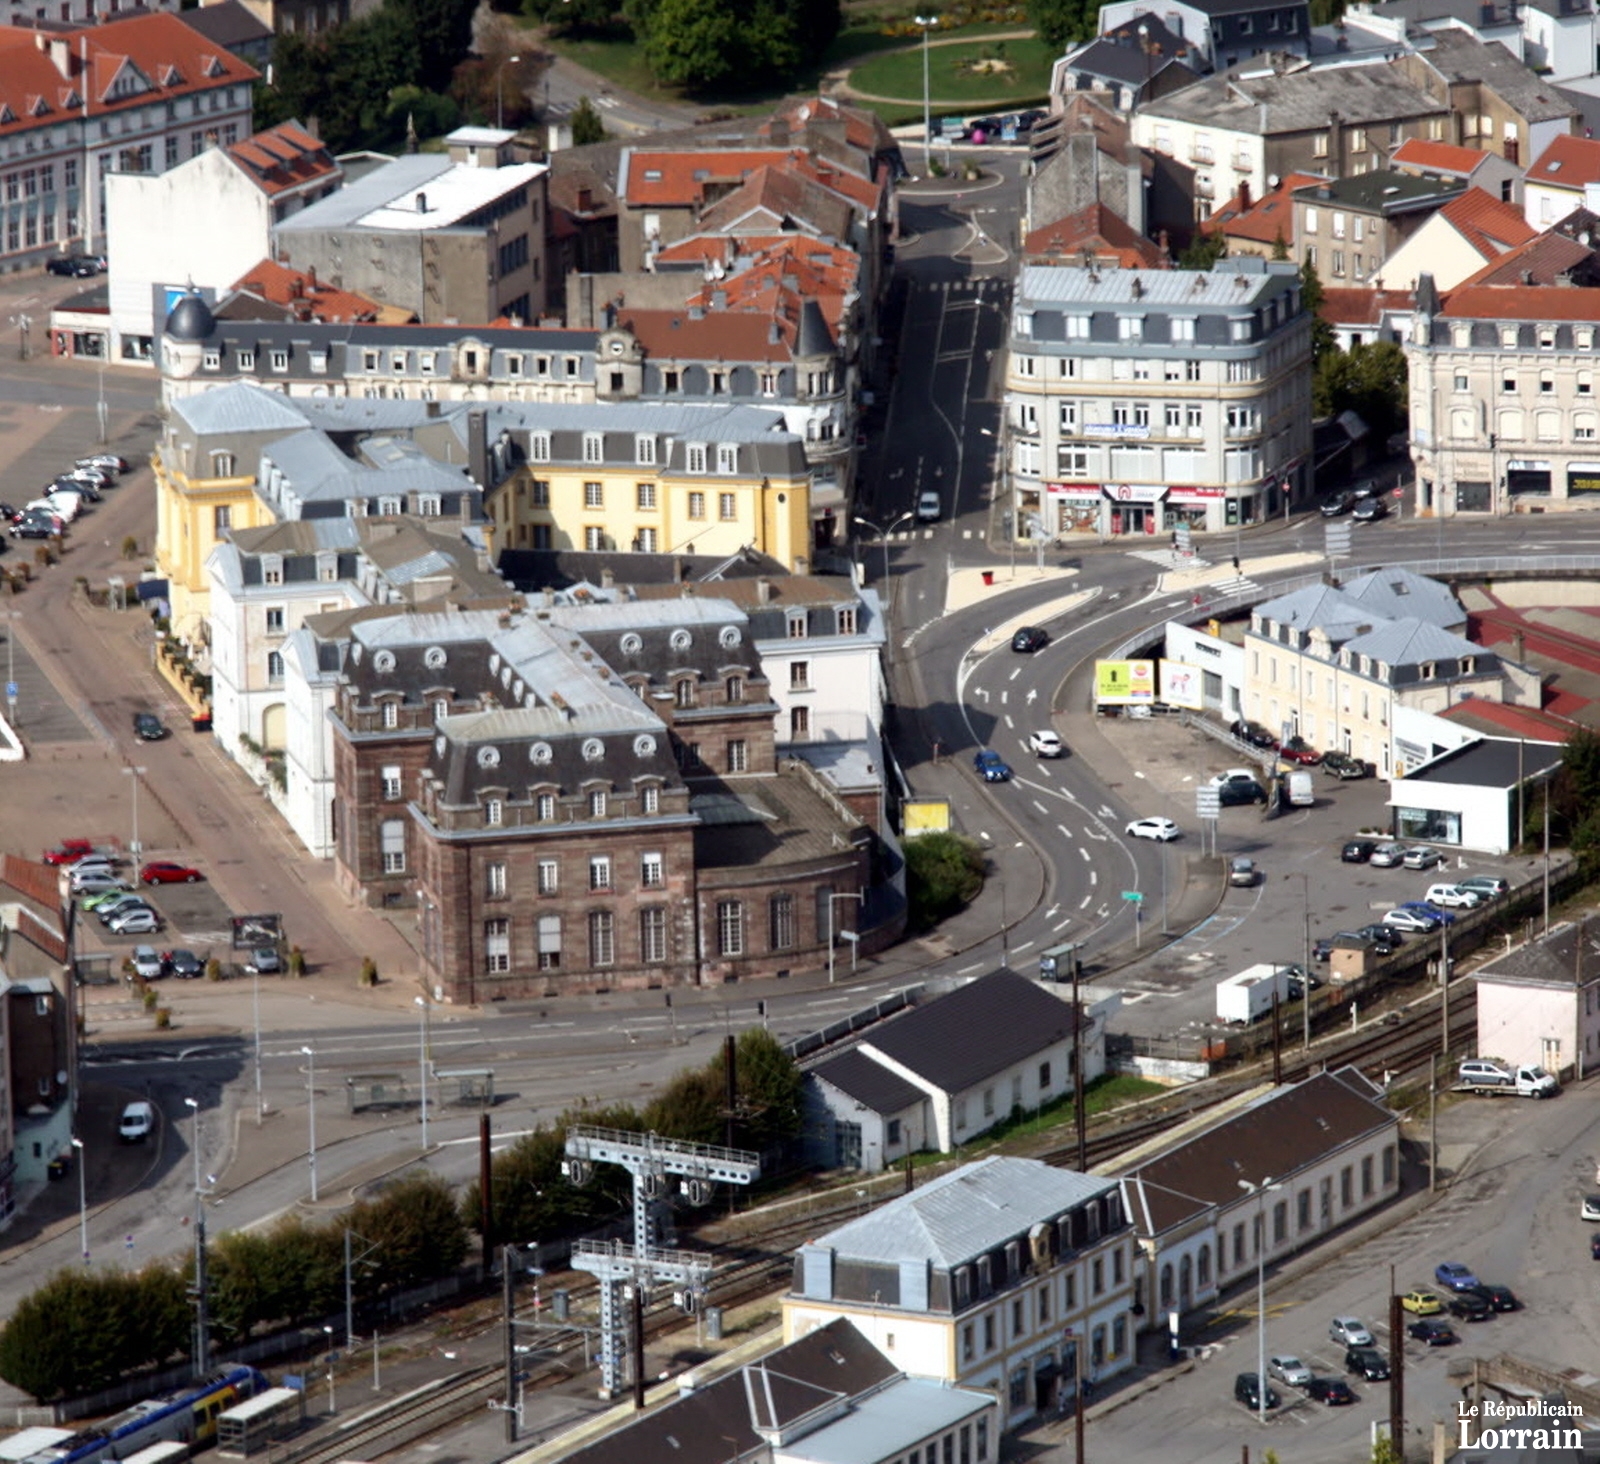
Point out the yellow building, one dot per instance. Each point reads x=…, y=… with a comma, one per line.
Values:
x=654, y=480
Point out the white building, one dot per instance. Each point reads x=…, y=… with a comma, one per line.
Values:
x=1006, y=1274
x=132, y=95
x=1138, y=401
x=1564, y=177
x=1472, y=796
x=1541, y=1003
x=1220, y=662
x=229, y=197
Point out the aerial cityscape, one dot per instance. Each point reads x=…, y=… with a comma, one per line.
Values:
x=799, y=731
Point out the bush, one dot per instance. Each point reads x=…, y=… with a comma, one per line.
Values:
x=213, y=969
x=369, y=971
x=944, y=872
x=130, y=547
x=297, y=961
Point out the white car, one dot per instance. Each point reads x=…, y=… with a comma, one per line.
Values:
x=1288, y=1368
x=1453, y=897
x=1409, y=920
x=1045, y=744
x=1233, y=775
x=929, y=508
x=1351, y=1331
x=1162, y=829
x=146, y=962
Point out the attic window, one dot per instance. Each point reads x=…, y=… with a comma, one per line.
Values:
x=1555, y=166
x=652, y=175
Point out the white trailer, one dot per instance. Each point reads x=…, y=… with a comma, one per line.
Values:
x=1247, y=996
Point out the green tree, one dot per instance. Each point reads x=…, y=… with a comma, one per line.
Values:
x=568, y=16
x=1204, y=251
x=1322, y=340
x=692, y=1107
x=416, y=1229
x=441, y=34
x=770, y=1085
x=1280, y=247
x=586, y=124
x=1326, y=12
x=943, y=873
x=692, y=43
x=1060, y=22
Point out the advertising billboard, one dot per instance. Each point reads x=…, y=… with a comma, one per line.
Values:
x=1182, y=685
x=1124, y=683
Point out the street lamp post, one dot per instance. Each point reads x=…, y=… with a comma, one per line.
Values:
x=883, y=533
x=1260, y=1192
x=11, y=663
x=333, y=1405
x=311, y=1112
x=255, y=1013
x=422, y=1063
x=500, y=90
x=927, y=22
x=848, y=895
x=83, y=1202
x=135, y=774
x=202, y=1322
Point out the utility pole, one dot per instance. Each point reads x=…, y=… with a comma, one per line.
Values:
x=1079, y=1118
x=508, y=1305
x=1397, y=1372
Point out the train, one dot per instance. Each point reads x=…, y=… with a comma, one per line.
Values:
x=188, y=1416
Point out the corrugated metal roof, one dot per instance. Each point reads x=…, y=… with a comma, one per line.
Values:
x=239, y=407
x=1198, y=291
x=1406, y=642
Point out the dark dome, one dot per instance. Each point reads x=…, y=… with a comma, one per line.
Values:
x=191, y=320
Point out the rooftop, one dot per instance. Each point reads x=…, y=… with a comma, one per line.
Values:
x=1459, y=56
x=1382, y=192
x=410, y=194
x=1438, y=157
x=1568, y=956
x=1491, y=763
x=1234, y=284
x=1569, y=162
x=870, y=1083
x=1266, y=219
x=1488, y=225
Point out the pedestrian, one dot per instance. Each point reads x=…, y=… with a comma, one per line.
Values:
x=1236, y=564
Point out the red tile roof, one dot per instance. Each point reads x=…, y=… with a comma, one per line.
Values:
x=1546, y=257
x=681, y=179
x=1538, y=303
x=1489, y=226
x=711, y=335
x=309, y=297
x=1569, y=162
x=1501, y=719
x=1265, y=220
x=40, y=883
x=283, y=157
x=1341, y=306
x=1437, y=157
x=780, y=198
x=121, y=65
x=1105, y=234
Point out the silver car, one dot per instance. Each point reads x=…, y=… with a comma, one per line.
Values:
x=1351, y=1331
x=1288, y=1368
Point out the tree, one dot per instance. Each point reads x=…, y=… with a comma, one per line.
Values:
x=586, y=124
x=704, y=45
x=770, y=1085
x=692, y=43
x=415, y=1229
x=1280, y=247
x=943, y=873
x=1322, y=340
x=440, y=33
x=1060, y=22
x=567, y=16
x=1369, y=380
x=1204, y=251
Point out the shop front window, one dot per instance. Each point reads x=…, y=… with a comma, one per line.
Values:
x=1433, y=825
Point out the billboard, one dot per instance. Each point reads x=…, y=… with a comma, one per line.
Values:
x=1121, y=683
x=1182, y=685
x=925, y=816
x=250, y=931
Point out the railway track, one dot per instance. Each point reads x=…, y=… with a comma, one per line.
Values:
x=384, y=1429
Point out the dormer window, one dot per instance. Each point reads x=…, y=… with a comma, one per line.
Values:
x=727, y=457
x=797, y=625
x=695, y=457
x=247, y=360
x=539, y=447
x=644, y=449
x=272, y=569
x=594, y=447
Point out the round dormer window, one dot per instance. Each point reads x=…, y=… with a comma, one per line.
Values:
x=644, y=745
x=593, y=750
x=631, y=644
x=729, y=637
x=681, y=640
x=488, y=757
x=540, y=752
x=383, y=661
x=434, y=658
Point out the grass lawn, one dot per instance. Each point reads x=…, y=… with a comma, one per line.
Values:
x=954, y=74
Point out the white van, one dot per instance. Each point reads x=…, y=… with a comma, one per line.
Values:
x=138, y=1119
x=1301, y=792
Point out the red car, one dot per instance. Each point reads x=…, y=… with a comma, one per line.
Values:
x=1298, y=750
x=69, y=851
x=164, y=872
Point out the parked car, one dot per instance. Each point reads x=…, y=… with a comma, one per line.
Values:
x=68, y=851
x=148, y=727
x=1410, y=920
x=1335, y=1392
x=75, y=266
x=185, y=965
x=1243, y=873
x=1490, y=886
x=109, y=915
x=1387, y=856
x=1338, y=503
x=104, y=897
x=84, y=489
x=97, y=882
x=1231, y=795
x=264, y=961
x=1287, y=1368
x=1357, y=851
x=1366, y=1362
x=1432, y=1331
x=143, y=921
x=1590, y=1209
x=992, y=768
x=1422, y=1303
x=1298, y=750
x=1161, y=829
x=91, y=863
x=929, y=508
x=147, y=963
x=1594, y=1245
x=1471, y=1306
x=138, y=1118
x=1045, y=744
x=1429, y=911
x=1370, y=510
x=32, y=526
x=1342, y=765
x=1030, y=638
x=126, y=900
x=164, y=871
x=1452, y=897
x=1385, y=939
x=1298, y=979
x=1422, y=856
x=109, y=460
x=1253, y=733
x=1247, y=1389
x=1232, y=775
x=1501, y=1298
x=1351, y=1331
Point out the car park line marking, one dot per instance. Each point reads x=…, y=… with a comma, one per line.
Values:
x=1064, y=831
x=1062, y=924
x=1016, y=672
x=1094, y=877
x=1019, y=949
x=1005, y=696
x=965, y=969
x=1083, y=852
x=1010, y=725
x=1050, y=914
x=1084, y=901
x=1042, y=809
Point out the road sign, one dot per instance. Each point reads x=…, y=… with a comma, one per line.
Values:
x=1207, y=802
x=1133, y=896
x=11, y=691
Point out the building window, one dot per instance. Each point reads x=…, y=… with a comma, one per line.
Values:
x=799, y=676
x=650, y=799
x=549, y=938
x=541, y=493
x=599, y=873
x=652, y=872
x=684, y=691
x=1303, y=1209
x=727, y=507
x=594, y=495
x=800, y=724
x=653, y=934
x=988, y=1331
x=494, y=813
x=738, y=756
x=389, y=782
x=696, y=457
x=549, y=876
x=274, y=666
x=594, y=447
x=1366, y=1177
x=780, y=912
x=733, y=689
x=494, y=881
x=222, y=514
x=545, y=808
x=602, y=938
x=645, y=495
x=496, y=946
x=388, y=713
x=697, y=505
x=730, y=928
x=644, y=450
x=392, y=839
x=968, y=1342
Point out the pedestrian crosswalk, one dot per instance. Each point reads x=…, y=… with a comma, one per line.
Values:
x=1170, y=560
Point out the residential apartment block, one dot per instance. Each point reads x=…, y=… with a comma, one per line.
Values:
x=1503, y=412
x=133, y=95
x=1346, y=228
x=1224, y=32
x=1138, y=401
x=1006, y=1274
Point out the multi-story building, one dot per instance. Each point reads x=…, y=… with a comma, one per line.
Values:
x=1540, y=1003
x=1346, y=228
x=1470, y=233
x=1486, y=170
x=132, y=95
x=229, y=197
x=1560, y=180
x=1224, y=32
x=1137, y=401
x=1503, y=411
x=1331, y=664
x=454, y=236
x=1005, y=1274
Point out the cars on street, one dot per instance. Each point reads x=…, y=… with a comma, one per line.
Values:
x=143, y=921
x=1161, y=829
x=1370, y=510
x=1357, y=851
x=1337, y=504
x=1287, y=1368
x=1351, y=1331
x=1471, y=1306
x=163, y=871
x=1501, y=1298
x=1410, y=920
x=75, y=266
x=146, y=962
x=1387, y=856
x=1422, y=1303
x=1432, y=1332
x=148, y=727
x=992, y=768
x=185, y=965
x=1490, y=886
x=1030, y=638
x=1342, y=765
x=1243, y=873
x=1421, y=856
x=929, y=507
x=1452, y=897
x=1298, y=750
x=1335, y=1392
x=1045, y=744
x=1366, y=1362
x=97, y=882
x=1233, y=775
x=138, y=1118
x=264, y=961
x=1253, y=733
x=1231, y=795
x=1426, y=909
x=1248, y=1390
x=1591, y=1208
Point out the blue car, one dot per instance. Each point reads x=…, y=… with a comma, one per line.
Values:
x=1454, y=1276
x=992, y=768
x=1439, y=915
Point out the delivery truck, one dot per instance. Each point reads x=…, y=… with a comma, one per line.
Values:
x=1490, y=1076
x=1247, y=996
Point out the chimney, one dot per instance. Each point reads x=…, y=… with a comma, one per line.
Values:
x=1527, y=276
x=1518, y=641
x=585, y=320
x=608, y=578
x=311, y=275
x=422, y=201
x=763, y=591
x=478, y=448
x=1244, y=195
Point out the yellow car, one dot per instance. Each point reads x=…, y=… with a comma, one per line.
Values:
x=1422, y=1303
